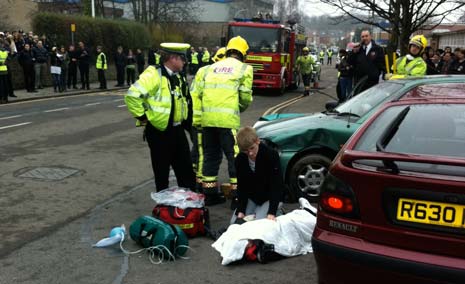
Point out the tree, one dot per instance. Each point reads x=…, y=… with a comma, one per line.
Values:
x=404, y=16
x=156, y=11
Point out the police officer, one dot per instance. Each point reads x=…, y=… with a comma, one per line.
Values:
x=329, y=54
x=4, y=89
x=194, y=63
x=225, y=90
x=205, y=57
x=411, y=64
x=196, y=132
x=101, y=65
x=304, y=65
x=322, y=56
x=160, y=100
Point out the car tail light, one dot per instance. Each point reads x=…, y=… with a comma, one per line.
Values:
x=337, y=197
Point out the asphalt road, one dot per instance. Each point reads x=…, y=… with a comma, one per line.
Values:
x=72, y=168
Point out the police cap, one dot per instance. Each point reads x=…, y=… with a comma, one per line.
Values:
x=174, y=47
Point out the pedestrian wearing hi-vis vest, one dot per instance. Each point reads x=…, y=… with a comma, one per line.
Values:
x=194, y=63
x=329, y=54
x=161, y=102
x=196, y=131
x=322, y=57
x=225, y=90
x=101, y=66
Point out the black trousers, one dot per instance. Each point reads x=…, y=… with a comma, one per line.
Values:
x=217, y=141
x=72, y=74
x=101, y=78
x=170, y=148
x=4, y=88
x=140, y=69
x=120, y=74
x=10, y=83
x=84, y=72
x=329, y=61
x=29, y=77
x=130, y=75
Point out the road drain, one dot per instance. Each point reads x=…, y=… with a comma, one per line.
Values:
x=53, y=173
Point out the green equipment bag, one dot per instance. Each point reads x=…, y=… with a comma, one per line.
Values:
x=151, y=232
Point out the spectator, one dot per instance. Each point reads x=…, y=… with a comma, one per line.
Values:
x=433, y=65
x=11, y=47
x=130, y=68
x=45, y=42
x=56, y=60
x=101, y=66
x=29, y=39
x=64, y=68
x=140, y=61
x=35, y=40
x=446, y=61
x=456, y=52
x=3, y=73
x=447, y=49
x=345, y=77
x=458, y=65
x=72, y=66
x=368, y=61
x=120, y=63
x=84, y=62
x=19, y=41
x=26, y=60
x=40, y=63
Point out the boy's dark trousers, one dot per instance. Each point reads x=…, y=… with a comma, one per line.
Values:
x=101, y=78
x=84, y=70
x=29, y=77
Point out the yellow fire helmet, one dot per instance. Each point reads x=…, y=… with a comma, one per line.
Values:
x=305, y=49
x=174, y=47
x=239, y=44
x=219, y=55
x=420, y=41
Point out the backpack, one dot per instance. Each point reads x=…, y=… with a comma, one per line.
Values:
x=151, y=232
x=191, y=220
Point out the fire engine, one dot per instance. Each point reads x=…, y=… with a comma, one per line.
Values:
x=273, y=50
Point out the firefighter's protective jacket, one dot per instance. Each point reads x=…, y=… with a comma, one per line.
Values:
x=305, y=64
x=415, y=67
x=222, y=90
x=152, y=95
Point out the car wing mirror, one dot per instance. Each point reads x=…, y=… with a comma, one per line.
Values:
x=330, y=106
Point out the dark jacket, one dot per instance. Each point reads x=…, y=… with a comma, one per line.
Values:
x=26, y=58
x=120, y=59
x=457, y=67
x=265, y=184
x=433, y=68
x=40, y=54
x=73, y=55
x=56, y=60
x=369, y=64
x=84, y=56
x=140, y=59
x=345, y=69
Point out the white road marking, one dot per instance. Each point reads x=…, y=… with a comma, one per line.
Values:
x=118, y=100
x=58, y=109
x=9, y=117
x=121, y=106
x=92, y=104
x=15, y=125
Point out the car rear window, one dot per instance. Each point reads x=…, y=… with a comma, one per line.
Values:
x=437, y=90
x=424, y=129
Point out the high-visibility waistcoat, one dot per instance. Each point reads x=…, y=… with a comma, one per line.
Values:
x=416, y=67
x=305, y=63
x=3, y=57
x=152, y=95
x=157, y=58
x=330, y=53
x=224, y=89
x=195, y=59
x=322, y=54
x=206, y=56
x=101, y=61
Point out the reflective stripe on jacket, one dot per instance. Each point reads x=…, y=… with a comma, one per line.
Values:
x=101, y=61
x=3, y=57
x=223, y=89
x=151, y=95
x=305, y=63
x=416, y=67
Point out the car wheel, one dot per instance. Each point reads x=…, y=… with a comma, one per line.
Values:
x=307, y=176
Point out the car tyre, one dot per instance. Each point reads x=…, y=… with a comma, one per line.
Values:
x=306, y=177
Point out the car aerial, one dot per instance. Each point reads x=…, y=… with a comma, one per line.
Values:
x=392, y=208
x=307, y=143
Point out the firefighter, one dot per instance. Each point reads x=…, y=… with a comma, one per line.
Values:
x=224, y=90
x=322, y=56
x=101, y=66
x=160, y=100
x=411, y=64
x=329, y=54
x=304, y=64
x=196, y=132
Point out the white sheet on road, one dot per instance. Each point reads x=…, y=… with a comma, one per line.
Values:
x=290, y=234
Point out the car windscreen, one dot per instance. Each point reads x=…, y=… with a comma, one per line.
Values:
x=423, y=129
x=259, y=39
x=368, y=99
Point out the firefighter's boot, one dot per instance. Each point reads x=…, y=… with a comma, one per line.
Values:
x=212, y=193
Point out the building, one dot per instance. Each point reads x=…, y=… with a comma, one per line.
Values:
x=439, y=37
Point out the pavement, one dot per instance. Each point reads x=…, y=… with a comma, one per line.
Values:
x=47, y=92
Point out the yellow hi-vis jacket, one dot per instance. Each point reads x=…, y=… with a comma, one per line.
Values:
x=195, y=59
x=416, y=67
x=206, y=56
x=3, y=57
x=101, y=61
x=157, y=58
x=196, y=85
x=222, y=90
x=152, y=95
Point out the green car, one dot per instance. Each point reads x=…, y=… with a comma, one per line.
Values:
x=307, y=143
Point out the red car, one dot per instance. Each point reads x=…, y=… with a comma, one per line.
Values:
x=392, y=209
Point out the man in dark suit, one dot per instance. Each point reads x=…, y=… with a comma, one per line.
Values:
x=368, y=61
